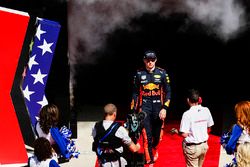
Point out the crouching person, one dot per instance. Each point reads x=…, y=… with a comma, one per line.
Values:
x=110, y=138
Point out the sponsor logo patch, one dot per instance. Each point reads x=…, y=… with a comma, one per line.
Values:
x=143, y=77
x=157, y=76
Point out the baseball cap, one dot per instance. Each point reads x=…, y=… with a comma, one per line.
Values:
x=150, y=55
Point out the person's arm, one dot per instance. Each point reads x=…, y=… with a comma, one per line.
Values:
x=231, y=145
x=185, y=125
x=175, y=131
x=184, y=134
x=61, y=142
x=123, y=134
x=135, y=93
x=167, y=89
x=167, y=94
x=210, y=121
x=134, y=147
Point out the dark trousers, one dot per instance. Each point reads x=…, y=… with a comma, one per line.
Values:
x=152, y=125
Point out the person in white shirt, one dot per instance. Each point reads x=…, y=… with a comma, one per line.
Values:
x=195, y=125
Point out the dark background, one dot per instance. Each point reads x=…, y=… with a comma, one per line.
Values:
x=192, y=57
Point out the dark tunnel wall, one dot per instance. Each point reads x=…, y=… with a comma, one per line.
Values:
x=192, y=56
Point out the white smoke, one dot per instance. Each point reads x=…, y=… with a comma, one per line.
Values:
x=90, y=21
x=225, y=17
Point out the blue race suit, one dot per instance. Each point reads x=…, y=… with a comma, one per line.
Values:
x=151, y=93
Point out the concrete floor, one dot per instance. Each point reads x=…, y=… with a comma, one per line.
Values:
x=84, y=140
x=86, y=118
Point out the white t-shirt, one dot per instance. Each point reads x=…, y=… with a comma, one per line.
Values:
x=195, y=121
x=33, y=161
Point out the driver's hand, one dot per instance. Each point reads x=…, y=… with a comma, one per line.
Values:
x=163, y=114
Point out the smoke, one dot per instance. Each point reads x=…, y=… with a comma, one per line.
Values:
x=225, y=17
x=90, y=21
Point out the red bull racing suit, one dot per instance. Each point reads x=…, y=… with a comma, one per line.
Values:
x=151, y=93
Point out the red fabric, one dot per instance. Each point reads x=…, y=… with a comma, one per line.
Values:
x=170, y=149
x=12, y=31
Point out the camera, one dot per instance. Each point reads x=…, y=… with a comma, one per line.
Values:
x=134, y=124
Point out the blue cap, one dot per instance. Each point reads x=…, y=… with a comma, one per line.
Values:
x=150, y=55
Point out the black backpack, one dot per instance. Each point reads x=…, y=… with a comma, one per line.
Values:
x=105, y=142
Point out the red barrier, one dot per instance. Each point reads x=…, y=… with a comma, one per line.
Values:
x=12, y=32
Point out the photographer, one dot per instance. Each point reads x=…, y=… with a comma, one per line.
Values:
x=109, y=139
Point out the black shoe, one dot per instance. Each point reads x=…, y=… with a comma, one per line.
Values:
x=150, y=162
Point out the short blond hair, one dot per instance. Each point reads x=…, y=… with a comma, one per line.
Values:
x=110, y=109
x=243, y=155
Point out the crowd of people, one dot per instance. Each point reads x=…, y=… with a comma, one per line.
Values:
x=151, y=95
x=52, y=145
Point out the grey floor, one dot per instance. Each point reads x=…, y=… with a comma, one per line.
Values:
x=86, y=118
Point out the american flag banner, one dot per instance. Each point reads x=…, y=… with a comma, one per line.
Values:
x=38, y=68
